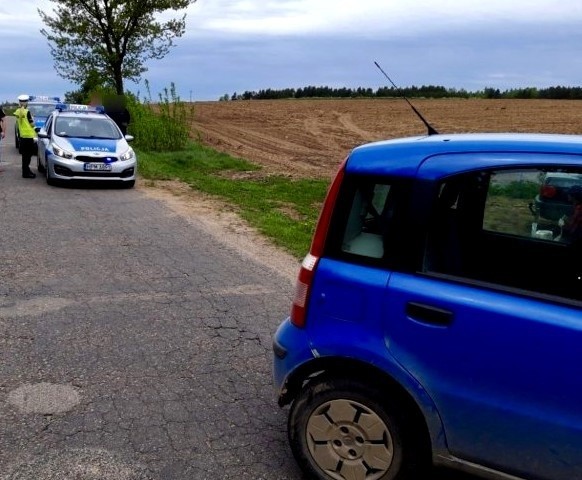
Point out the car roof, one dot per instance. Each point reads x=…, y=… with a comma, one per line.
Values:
x=80, y=113
x=404, y=156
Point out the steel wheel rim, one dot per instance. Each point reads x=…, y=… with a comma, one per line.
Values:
x=348, y=440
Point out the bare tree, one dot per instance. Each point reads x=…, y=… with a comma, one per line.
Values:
x=112, y=37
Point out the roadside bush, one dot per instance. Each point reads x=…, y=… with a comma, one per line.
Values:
x=518, y=190
x=162, y=126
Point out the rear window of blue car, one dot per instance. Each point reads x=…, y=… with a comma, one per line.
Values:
x=368, y=219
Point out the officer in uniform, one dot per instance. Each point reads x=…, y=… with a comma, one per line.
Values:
x=27, y=133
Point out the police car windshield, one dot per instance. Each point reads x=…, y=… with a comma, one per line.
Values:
x=86, y=127
x=41, y=110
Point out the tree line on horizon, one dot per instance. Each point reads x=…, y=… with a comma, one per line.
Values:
x=424, y=91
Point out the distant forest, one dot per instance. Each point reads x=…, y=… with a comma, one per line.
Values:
x=426, y=91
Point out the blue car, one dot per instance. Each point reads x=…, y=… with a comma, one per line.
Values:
x=434, y=321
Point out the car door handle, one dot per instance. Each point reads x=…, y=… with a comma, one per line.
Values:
x=429, y=314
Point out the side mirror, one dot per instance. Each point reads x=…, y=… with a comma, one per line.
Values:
x=41, y=133
x=129, y=138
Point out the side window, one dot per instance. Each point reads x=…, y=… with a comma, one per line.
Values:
x=508, y=205
x=47, y=125
x=515, y=228
x=543, y=204
x=364, y=227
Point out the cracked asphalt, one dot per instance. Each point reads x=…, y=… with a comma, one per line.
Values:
x=133, y=345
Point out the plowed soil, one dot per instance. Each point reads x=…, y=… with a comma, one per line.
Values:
x=309, y=138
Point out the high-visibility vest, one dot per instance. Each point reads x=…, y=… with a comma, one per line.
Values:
x=25, y=129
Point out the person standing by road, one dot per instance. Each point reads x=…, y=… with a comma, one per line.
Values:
x=116, y=108
x=2, y=125
x=27, y=134
x=2, y=132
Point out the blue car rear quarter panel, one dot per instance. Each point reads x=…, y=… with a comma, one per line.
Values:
x=345, y=304
x=342, y=304
x=346, y=314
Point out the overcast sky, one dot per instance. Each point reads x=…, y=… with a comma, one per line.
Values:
x=239, y=45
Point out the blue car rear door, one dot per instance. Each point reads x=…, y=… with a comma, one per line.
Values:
x=491, y=326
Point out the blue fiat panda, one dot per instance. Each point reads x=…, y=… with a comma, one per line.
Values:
x=437, y=318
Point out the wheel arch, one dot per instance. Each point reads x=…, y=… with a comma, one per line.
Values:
x=419, y=405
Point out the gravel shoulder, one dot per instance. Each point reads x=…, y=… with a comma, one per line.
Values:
x=221, y=221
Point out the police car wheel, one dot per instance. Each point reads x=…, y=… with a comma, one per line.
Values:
x=47, y=172
x=39, y=165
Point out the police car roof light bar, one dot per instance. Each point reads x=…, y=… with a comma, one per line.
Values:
x=76, y=107
x=43, y=98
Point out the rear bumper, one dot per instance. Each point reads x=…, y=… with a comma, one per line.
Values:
x=291, y=349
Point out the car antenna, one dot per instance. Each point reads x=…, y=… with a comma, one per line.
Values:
x=431, y=130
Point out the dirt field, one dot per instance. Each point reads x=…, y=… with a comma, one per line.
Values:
x=310, y=137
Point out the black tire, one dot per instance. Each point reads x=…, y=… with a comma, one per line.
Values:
x=47, y=174
x=39, y=165
x=341, y=429
x=129, y=184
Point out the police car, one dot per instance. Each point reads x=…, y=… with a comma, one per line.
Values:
x=40, y=106
x=79, y=142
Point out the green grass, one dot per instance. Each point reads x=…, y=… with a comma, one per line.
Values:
x=283, y=209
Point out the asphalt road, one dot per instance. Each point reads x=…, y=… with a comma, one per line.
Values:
x=133, y=345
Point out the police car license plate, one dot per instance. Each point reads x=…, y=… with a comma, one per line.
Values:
x=98, y=166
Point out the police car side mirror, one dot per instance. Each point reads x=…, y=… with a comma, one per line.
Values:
x=129, y=138
x=41, y=133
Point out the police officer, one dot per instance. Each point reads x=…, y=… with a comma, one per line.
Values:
x=2, y=132
x=27, y=134
x=2, y=125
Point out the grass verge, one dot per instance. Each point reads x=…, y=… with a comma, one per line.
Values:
x=283, y=209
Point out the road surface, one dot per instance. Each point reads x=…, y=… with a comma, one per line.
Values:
x=134, y=344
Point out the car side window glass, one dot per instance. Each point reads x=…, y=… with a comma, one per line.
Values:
x=554, y=204
x=508, y=204
x=515, y=228
x=368, y=216
x=47, y=126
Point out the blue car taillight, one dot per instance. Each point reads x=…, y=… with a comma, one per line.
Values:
x=309, y=265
